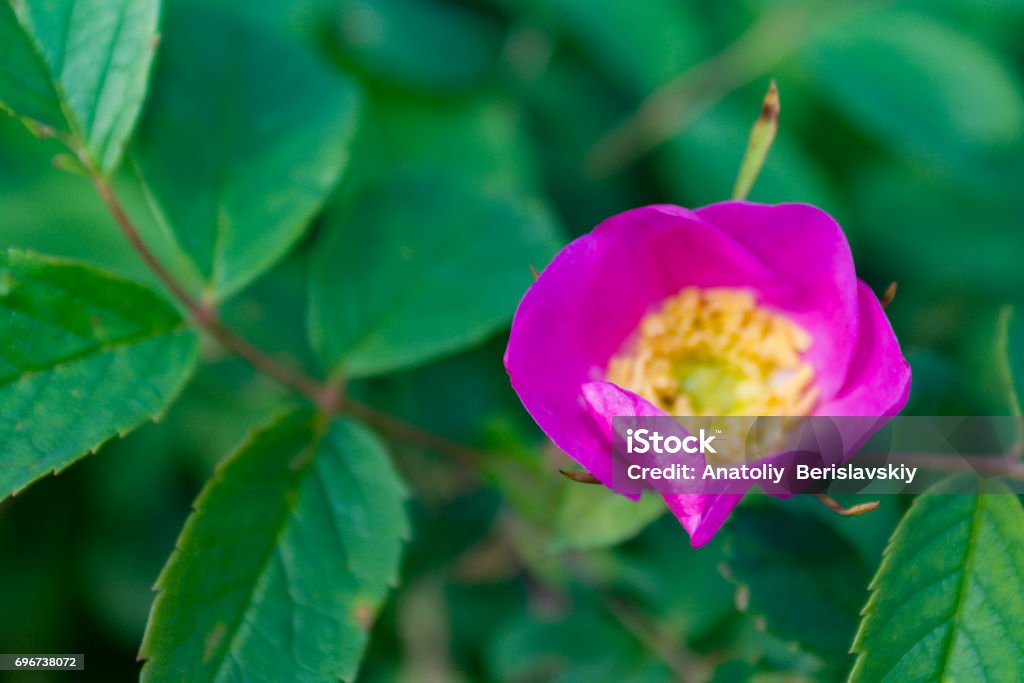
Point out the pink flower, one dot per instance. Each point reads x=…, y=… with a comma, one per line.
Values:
x=735, y=308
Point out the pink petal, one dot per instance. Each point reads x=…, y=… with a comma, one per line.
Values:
x=878, y=379
x=806, y=249
x=702, y=515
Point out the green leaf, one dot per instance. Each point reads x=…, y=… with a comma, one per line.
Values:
x=79, y=67
x=243, y=138
x=907, y=78
x=804, y=579
x=419, y=267
x=594, y=517
x=948, y=601
x=84, y=356
x=284, y=564
x=480, y=138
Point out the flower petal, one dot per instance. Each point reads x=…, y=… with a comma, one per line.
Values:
x=591, y=298
x=604, y=401
x=702, y=515
x=806, y=249
x=878, y=381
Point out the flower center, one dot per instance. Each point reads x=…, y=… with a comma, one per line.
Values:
x=706, y=352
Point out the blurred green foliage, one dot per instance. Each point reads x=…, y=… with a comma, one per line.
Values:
x=904, y=119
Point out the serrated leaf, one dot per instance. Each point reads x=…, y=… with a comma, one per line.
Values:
x=805, y=580
x=906, y=78
x=244, y=136
x=79, y=67
x=284, y=564
x=594, y=517
x=84, y=356
x=947, y=603
x=418, y=267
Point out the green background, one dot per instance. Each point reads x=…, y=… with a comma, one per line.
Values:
x=904, y=120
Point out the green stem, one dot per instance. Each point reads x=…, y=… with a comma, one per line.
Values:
x=204, y=316
x=762, y=135
x=326, y=395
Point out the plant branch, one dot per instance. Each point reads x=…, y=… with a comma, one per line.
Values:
x=326, y=396
x=409, y=433
x=131, y=233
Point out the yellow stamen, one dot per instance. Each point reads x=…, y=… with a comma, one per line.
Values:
x=715, y=352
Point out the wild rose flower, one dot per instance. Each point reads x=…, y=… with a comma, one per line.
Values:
x=733, y=309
